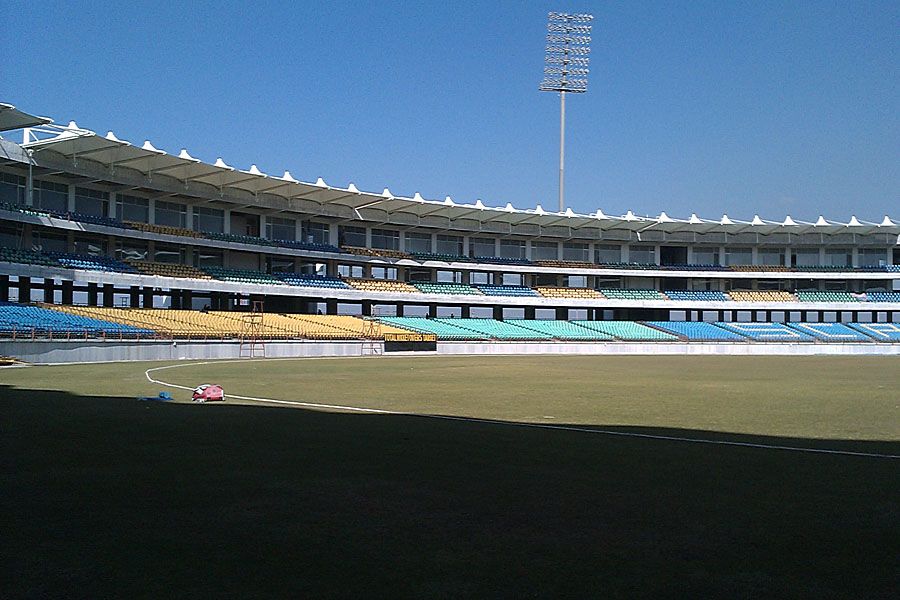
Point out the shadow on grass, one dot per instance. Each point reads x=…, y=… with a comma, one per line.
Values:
x=114, y=497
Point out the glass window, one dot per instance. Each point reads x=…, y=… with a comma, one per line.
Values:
x=51, y=196
x=480, y=278
x=384, y=273
x=449, y=244
x=608, y=253
x=449, y=277
x=576, y=252
x=706, y=256
x=280, y=264
x=168, y=253
x=869, y=257
x=838, y=257
x=12, y=189
x=350, y=270
x=209, y=257
x=316, y=233
x=738, y=256
x=512, y=249
x=770, y=256
x=513, y=279
x=132, y=208
x=11, y=236
x=209, y=219
x=352, y=236
x=170, y=214
x=45, y=240
x=280, y=228
x=418, y=242
x=93, y=245
x=91, y=202
x=131, y=250
x=544, y=251
x=482, y=247
x=805, y=257
x=386, y=239
x=642, y=254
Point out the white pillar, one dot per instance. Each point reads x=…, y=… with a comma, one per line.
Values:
x=70, y=198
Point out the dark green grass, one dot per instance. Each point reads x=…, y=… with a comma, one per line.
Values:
x=105, y=496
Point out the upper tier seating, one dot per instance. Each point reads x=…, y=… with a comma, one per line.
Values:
x=628, y=265
x=434, y=287
x=760, y=268
x=500, y=260
x=696, y=295
x=694, y=267
x=313, y=246
x=240, y=239
x=90, y=262
x=568, y=292
x=383, y=253
x=308, y=280
x=25, y=319
x=241, y=275
x=883, y=332
x=761, y=296
x=498, y=330
x=168, y=269
x=830, y=332
x=505, y=290
x=627, y=330
x=565, y=264
x=164, y=229
x=382, y=285
x=96, y=220
x=883, y=296
x=625, y=294
x=27, y=257
x=695, y=330
x=767, y=332
x=423, y=256
x=820, y=296
x=562, y=330
x=444, y=329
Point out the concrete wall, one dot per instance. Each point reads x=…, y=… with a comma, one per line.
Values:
x=100, y=351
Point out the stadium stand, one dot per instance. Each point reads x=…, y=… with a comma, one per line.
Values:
x=168, y=269
x=565, y=264
x=19, y=319
x=767, y=332
x=628, y=330
x=626, y=294
x=761, y=296
x=568, y=292
x=164, y=229
x=27, y=257
x=382, y=285
x=562, y=330
x=505, y=290
x=830, y=332
x=821, y=296
x=89, y=262
x=882, y=296
x=434, y=287
x=883, y=332
x=306, y=280
x=498, y=330
x=443, y=329
x=697, y=331
x=375, y=252
x=437, y=256
x=240, y=275
x=696, y=296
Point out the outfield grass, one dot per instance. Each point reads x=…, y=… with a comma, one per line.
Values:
x=106, y=496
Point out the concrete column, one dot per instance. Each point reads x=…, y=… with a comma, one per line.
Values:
x=147, y=299
x=465, y=247
x=562, y=314
x=465, y=311
x=70, y=198
x=399, y=309
x=528, y=249
x=111, y=209
x=92, y=294
x=529, y=312
x=498, y=313
x=109, y=299
x=4, y=288
x=151, y=211
x=49, y=287
x=67, y=291
x=24, y=289
x=333, y=234
x=434, y=242
x=262, y=227
x=368, y=237
x=331, y=307
x=189, y=216
x=432, y=310
x=625, y=253
x=367, y=308
x=135, y=297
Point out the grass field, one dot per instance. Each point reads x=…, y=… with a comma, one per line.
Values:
x=105, y=496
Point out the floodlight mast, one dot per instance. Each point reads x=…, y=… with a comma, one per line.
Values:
x=565, y=70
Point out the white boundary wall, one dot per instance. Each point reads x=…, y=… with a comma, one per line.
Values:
x=45, y=351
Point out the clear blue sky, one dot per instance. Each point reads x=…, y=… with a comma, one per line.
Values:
x=701, y=106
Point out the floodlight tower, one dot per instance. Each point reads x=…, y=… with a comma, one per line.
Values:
x=565, y=70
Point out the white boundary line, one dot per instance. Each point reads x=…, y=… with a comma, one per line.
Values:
x=628, y=434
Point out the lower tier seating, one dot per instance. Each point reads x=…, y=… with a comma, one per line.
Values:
x=882, y=332
x=93, y=263
x=627, y=330
x=168, y=269
x=433, y=287
x=830, y=332
x=379, y=252
x=307, y=280
x=25, y=319
x=27, y=257
x=382, y=285
x=767, y=332
x=695, y=330
x=498, y=330
x=240, y=275
x=883, y=296
x=443, y=329
x=625, y=294
x=563, y=330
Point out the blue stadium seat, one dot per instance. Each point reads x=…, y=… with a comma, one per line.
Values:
x=26, y=319
x=767, y=332
x=697, y=330
x=830, y=332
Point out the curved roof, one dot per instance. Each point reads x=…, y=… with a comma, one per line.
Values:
x=110, y=151
x=12, y=118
